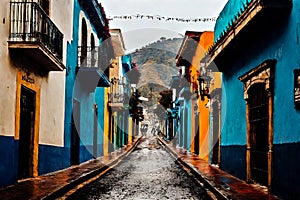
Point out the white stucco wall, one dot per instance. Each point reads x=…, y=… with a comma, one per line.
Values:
x=61, y=13
x=52, y=91
x=52, y=109
x=89, y=30
x=7, y=76
x=53, y=86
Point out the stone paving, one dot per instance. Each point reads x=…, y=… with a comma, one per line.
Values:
x=149, y=172
x=222, y=184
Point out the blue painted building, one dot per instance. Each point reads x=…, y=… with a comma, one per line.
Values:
x=257, y=49
x=88, y=62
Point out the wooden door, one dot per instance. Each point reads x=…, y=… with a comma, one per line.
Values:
x=259, y=118
x=75, y=133
x=26, y=140
x=216, y=133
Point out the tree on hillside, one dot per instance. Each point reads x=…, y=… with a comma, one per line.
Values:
x=166, y=98
x=160, y=51
x=160, y=112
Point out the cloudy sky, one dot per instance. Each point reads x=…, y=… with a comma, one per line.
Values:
x=139, y=32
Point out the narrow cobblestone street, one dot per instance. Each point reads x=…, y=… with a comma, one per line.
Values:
x=148, y=173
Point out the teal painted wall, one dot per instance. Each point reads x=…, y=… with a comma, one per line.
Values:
x=276, y=44
x=71, y=64
x=233, y=112
x=87, y=99
x=279, y=42
x=231, y=9
x=126, y=63
x=99, y=99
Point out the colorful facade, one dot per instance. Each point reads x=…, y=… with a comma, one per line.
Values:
x=34, y=37
x=193, y=110
x=257, y=49
x=88, y=64
x=118, y=94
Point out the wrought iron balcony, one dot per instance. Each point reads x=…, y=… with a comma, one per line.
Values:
x=32, y=33
x=89, y=57
x=90, y=66
x=116, y=98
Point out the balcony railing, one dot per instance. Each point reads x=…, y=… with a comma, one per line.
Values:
x=89, y=57
x=96, y=57
x=116, y=101
x=29, y=23
x=91, y=60
x=116, y=98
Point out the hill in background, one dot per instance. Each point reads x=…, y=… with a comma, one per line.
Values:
x=156, y=62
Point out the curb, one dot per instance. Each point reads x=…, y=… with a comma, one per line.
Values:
x=64, y=189
x=206, y=183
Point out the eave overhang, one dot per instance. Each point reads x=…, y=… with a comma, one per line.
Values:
x=257, y=16
x=36, y=54
x=97, y=18
x=91, y=78
x=116, y=106
x=188, y=48
x=118, y=42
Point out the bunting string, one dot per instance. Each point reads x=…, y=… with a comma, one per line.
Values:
x=162, y=18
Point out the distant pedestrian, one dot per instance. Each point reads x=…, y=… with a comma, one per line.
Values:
x=144, y=129
x=153, y=131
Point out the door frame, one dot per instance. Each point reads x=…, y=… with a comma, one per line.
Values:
x=263, y=73
x=30, y=81
x=216, y=128
x=95, y=132
x=26, y=136
x=75, y=133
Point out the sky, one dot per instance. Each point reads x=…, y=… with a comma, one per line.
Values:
x=140, y=32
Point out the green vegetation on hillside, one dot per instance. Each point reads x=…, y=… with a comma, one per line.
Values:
x=156, y=63
x=162, y=51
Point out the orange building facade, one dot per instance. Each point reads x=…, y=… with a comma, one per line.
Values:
x=198, y=128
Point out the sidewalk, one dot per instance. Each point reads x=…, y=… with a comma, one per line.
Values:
x=220, y=183
x=53, y=185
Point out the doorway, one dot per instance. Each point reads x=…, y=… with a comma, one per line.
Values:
x=83, y=56
x=216, y=132
x=95, y=136
x=185, y=129
x=45, y=5
x=75, y=133
x=197, y=135
x=258, y=119
x=258, y=93
x=26, y=134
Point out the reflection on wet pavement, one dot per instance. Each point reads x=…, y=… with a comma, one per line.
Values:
x=148, y=173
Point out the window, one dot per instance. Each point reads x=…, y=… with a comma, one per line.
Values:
x=83, y=41
x=93, y=51
x=297, y=88
x=45, y=5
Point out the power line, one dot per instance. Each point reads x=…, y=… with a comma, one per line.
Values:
x=162, y=18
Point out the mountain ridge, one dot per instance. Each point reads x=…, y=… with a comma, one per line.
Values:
x=156, y=61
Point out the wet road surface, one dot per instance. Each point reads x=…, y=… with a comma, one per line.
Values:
x=148, y=173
